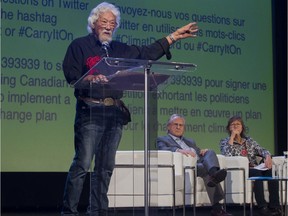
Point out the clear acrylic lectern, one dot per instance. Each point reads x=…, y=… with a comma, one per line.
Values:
x=148, y=77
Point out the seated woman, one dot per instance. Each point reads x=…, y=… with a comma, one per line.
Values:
x=238, y=144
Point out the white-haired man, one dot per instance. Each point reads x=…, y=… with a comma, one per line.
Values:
x=98, y=125
x=207, y=162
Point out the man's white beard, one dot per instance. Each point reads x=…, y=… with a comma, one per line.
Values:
x=103, y=37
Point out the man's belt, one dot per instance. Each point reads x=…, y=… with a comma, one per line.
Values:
x=105, y=101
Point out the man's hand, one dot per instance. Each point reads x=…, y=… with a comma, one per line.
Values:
x=203, y=151
x=96, y=78
x=189, y=30
x=187, y=152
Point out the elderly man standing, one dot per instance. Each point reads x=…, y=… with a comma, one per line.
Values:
x=98, y=125
x=207, y=162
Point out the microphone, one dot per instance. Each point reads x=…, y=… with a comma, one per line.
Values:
x=105, y=46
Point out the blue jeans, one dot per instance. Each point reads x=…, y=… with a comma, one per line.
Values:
x=98, y=131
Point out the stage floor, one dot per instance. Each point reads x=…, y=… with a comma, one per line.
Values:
x=200, y=211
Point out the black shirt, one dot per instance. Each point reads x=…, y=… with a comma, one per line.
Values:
x=75, y=61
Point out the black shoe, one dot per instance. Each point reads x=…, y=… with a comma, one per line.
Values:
x=265, y=211
x=276, y=211
x=217, y=177
x=220, y=212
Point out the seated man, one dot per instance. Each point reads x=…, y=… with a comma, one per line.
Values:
x=207, y=162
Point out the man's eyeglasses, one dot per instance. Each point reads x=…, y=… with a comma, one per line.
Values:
x=104, y=23
x=178, y=125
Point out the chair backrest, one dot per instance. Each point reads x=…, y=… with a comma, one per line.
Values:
x=126, y=188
